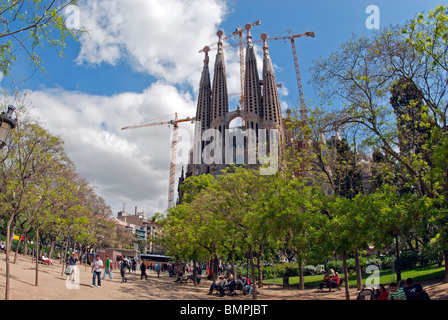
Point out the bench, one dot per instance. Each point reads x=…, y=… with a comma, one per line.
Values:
x=187, y=278
x=330, y=287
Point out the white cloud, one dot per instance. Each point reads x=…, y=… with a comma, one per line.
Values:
x=159, y=37
x=130, y=166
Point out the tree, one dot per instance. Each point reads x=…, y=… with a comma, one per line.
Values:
x=410, y=63
x=27, y=25
x=25, y=162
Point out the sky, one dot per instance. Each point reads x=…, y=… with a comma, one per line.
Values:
x=139, y=63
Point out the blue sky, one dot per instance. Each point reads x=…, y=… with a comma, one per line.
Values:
x=140, y=62
x=332, y=20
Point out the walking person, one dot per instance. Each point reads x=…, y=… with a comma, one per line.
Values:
x=108, y=268
x=73, y=267
x=158, y=270
x=143, y=270
x=123, y=267
x=96, y=269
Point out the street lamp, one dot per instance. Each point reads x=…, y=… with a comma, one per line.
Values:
x=7, y=123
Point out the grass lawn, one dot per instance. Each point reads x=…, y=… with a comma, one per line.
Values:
x=386, y=277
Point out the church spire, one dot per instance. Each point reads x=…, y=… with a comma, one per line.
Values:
x=204, y=98
x=252, y=89
x=220, y=97
x=271, y=103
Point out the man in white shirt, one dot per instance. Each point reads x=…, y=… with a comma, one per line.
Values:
x=96, y=269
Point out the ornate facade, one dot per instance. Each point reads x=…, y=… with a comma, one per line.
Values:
x=260, y=110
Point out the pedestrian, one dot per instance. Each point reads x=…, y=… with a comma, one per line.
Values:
x=133, y=266
x=158, y=270
x=96, y=269
x=73, y=267
x=143, y=270
x=123, y=267
x=108, y=268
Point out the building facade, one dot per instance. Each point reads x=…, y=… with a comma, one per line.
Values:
x=216, y=145
x=143, y=229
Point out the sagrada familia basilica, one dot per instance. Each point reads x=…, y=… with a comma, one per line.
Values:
x=260, y=113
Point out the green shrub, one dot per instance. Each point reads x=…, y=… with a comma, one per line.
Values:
x=408, y=259
x=310, y=270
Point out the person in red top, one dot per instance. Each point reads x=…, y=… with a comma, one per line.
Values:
x=335, y=281
x=382, y=293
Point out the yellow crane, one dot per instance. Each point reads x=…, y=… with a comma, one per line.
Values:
x=173, y=155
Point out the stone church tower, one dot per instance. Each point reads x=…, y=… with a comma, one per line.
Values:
x=261, y=110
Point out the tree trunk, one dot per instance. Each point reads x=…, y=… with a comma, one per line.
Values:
x=260, y=272
x=25, y=244
x=252, y=269
x=36, y=281
x=358, y=271
x=301, y=277
x=215, y=269
x=17, y=248
x=8, y=248
x=344, y=266
x=63, y=254
x=445, y=253
x=50, y=255
x=195, y=273
x=233, y=270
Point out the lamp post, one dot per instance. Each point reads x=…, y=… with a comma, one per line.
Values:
x=7, y=123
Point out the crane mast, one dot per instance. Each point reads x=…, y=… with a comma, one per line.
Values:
x=173, y=151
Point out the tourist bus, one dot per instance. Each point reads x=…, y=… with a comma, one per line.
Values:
x=155, y=258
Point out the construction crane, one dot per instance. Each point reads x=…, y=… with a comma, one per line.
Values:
x=291, y=37
x=238, y=32
x=173, y=153
x=303, y=109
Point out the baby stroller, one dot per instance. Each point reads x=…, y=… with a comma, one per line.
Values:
x=366, y=294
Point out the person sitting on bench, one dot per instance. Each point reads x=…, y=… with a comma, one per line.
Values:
x=220, y=286
x=334, y=282
x=46, y=260
x=325, y=282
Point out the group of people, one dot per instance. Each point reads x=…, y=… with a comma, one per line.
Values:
x=124, y=264
x=145, y=266
x=404, y=290
x=98, y=265
x=331, y=280
x=230, y=285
